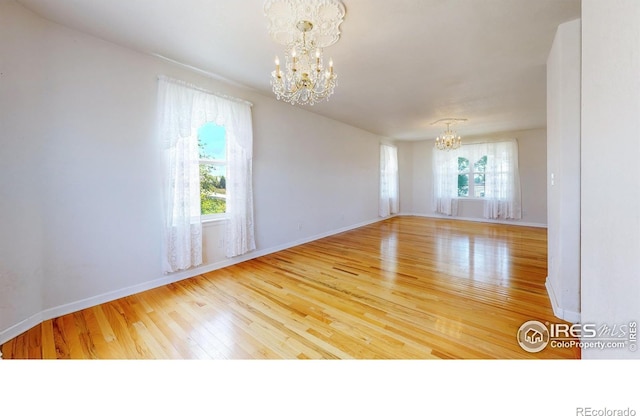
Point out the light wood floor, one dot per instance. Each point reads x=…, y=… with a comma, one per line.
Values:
x=404, y=288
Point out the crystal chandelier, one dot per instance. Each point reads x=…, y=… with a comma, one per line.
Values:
x=305, y=28
x=448, y=140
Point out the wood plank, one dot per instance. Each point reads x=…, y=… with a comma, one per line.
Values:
x=48, y=342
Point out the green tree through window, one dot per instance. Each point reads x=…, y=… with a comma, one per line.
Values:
x=463, y=176
x=213, y=169
x=471, y=177
x=479, y=169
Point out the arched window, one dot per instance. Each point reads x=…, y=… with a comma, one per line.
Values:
x=205, y=166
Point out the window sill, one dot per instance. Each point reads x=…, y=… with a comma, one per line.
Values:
x=468, y=198
x=213, y=221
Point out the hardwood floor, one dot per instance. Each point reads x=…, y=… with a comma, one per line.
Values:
x=404, y=288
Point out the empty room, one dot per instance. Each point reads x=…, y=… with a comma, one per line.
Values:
x=421, y=179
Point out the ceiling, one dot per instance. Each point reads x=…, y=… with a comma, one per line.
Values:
x=401, y=64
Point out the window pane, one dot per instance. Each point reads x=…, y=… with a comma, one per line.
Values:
x=478, y=185
x=213, y=189
x=463, y=184
x=211, y=142
x=480, y=165
x=463, y=164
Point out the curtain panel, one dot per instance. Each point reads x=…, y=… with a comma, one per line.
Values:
x=183, y=108
x=445, y=182
x=502, y=187
x=389, y=202
x=502, y=195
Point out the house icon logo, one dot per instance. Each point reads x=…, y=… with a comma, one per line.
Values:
x=533, y=336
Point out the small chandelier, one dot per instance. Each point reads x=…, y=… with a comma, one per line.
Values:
x=448, y=140
x=305, y=28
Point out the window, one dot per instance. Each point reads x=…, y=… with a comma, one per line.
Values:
x=485, y=171
x=206, y=171
x=472, y=177
x=388, y=204
x=212, y=148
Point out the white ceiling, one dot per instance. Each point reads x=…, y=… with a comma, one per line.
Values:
x=401, y=64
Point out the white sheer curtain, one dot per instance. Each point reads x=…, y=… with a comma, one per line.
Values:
x=239, y=234
x=388, y=180
x=502, y=196
x=502, y=181
x=182, y=231
x=183, y=108
x=445, y=182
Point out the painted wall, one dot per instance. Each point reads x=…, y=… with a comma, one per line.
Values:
x=563, y=171
x=610, y=195
x=532, y=162
x=80, y=171
x=21, y=224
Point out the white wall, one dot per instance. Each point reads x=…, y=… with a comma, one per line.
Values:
x=21, y=225
x=532, y=162
x=80, y=178
x=610, y=194
x=563, y=171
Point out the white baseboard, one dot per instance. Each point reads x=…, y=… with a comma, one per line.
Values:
x=25, y=325
x=20, y=327
x=507, y=222
x=567, y=315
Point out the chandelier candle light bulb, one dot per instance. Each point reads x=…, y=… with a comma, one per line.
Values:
x=295, y=60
